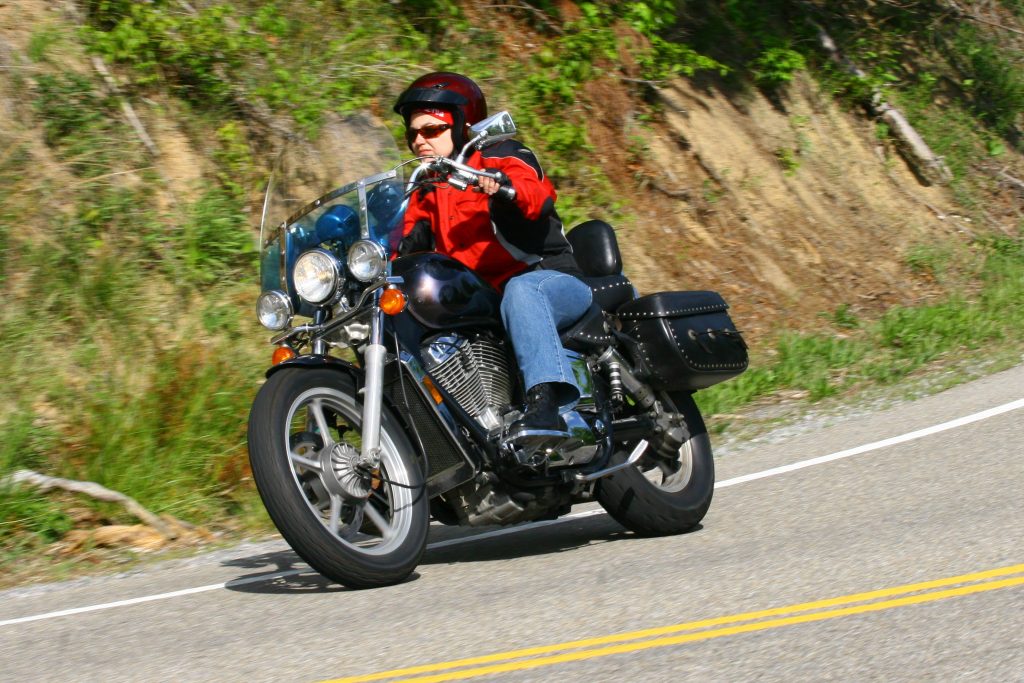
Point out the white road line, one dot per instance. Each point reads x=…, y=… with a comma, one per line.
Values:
x=151, y=598
x=775, y=471
x=875, y=445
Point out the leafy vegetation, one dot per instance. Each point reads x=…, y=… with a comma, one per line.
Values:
x=902, y=341
x=777, y=66
x=133, y=356
x=109, y=378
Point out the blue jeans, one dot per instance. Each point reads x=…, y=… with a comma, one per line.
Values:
x=536, y=305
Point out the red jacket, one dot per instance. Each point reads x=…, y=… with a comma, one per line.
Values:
x=494, y=237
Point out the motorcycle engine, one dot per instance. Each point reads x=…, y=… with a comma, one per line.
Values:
x=475, y=372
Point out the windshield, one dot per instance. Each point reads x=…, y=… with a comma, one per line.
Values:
x=346, y=185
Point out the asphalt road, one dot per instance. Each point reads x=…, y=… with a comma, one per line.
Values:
x=901, y=560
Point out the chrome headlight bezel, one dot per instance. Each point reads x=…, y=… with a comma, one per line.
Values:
x=366, y=260
x=274, y=310
x=317, y=276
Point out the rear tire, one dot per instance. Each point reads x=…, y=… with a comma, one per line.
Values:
x=661, y=498
x=297, y=413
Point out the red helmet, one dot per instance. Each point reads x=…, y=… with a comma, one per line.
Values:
x=445, y=90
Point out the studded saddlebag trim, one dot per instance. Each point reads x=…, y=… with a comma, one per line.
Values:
x=684, y=340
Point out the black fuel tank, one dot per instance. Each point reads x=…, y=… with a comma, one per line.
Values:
x=445, y=294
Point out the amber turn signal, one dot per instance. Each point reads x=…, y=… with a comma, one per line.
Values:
x=281, y=354
x=392, y=301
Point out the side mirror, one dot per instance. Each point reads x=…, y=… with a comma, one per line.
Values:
x=494, y=129
x=490, y=131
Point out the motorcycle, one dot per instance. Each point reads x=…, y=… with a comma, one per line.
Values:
x=391, y=404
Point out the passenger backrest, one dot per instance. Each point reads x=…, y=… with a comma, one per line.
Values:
x=595, y=248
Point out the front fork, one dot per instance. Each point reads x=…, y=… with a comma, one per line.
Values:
x=373, y=388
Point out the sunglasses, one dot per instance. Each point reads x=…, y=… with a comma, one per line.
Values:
x=429, y=132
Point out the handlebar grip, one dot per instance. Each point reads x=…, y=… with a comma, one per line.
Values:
x=506, y=191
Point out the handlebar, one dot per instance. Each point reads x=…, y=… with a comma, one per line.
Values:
x=461, y=176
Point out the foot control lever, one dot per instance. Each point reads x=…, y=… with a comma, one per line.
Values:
x=630, y=461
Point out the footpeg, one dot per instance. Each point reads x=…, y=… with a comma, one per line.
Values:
x=531, y=447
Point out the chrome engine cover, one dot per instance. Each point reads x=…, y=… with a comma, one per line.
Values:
x=475, y=372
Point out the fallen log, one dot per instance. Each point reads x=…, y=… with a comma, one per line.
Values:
x=45, y=483
x=925, y=163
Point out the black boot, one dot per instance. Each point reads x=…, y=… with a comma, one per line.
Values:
x=540, y=426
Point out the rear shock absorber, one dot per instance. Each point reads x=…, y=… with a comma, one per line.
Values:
x=615, y=381
x=621, y=378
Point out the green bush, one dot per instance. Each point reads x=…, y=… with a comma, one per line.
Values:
x=78, y=122
x=903, y=340
x=777, y=66
x=40, y=41
x=29, y=520
x=995, y=83
x=216, y=242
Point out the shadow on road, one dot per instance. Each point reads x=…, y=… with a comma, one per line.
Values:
x=556, y=538
x=305, y=582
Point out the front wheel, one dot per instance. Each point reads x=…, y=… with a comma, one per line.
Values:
x=664, y=495
x=357, y=528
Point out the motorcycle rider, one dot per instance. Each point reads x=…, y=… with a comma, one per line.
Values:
x=517, y=245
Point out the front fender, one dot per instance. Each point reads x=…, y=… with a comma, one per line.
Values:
x=316, y=361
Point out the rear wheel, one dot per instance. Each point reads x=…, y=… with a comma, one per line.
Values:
x=362, y=529
x=664, y=495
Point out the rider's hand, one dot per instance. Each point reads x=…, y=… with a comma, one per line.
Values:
x=488, y=186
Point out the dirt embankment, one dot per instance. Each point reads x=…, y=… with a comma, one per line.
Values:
x=789, y=208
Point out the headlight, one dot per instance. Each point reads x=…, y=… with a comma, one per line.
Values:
x=316, y=276
x=274, y=310
x=366, y=260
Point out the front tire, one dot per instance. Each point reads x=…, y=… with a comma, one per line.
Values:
x=660, y=497
x=361, y=543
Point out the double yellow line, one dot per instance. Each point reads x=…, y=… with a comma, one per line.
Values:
x=636, y=641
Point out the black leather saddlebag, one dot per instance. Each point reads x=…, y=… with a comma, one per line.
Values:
x=683, y=340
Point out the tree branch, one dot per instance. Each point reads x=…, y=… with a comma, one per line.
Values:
x=1016, y=182
x=126, y=107
x=93, y=490
x=544, y=18
x=924, y=161
x=961, y=12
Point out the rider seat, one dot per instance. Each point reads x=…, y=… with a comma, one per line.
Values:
x=597, y=253
x=589, y=333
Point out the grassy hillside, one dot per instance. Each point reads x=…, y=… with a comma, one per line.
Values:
x=134, y=139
